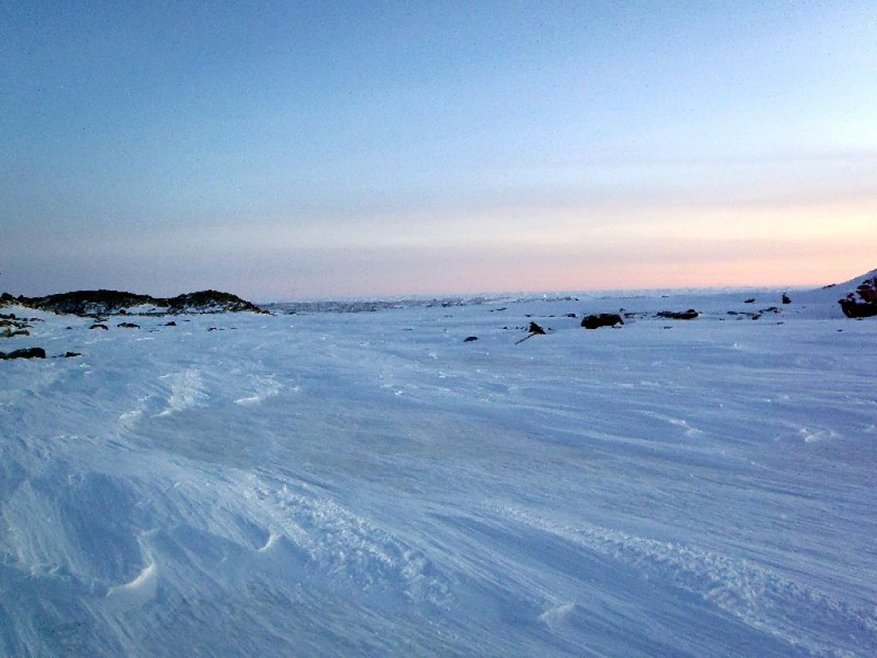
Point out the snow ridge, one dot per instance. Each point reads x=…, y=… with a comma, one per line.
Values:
x=753, y=593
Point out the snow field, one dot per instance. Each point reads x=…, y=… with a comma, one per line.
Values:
x=369, y=484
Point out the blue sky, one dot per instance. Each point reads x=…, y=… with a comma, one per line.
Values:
x=294, y=150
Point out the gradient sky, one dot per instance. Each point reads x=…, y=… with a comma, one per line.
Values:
x=293, y=150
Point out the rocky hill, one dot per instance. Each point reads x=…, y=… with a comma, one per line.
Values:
x=115, y=302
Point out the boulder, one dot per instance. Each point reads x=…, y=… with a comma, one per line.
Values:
x=601, y=320
x=690, y=314
x=27, y=353
x=470, y=339
x=128, y=325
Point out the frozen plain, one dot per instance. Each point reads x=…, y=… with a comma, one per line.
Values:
x=339, y=484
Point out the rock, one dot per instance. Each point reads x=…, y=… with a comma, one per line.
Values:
x=128, y=325
x=863, y=302
x=27, y=353
x=601, y=320
x=690, y=314
x=534, y=329
x=751, y=300
x=69, y=355
x=170, y=324
x=853, y=309
x=99, y=326
x=470, y=339
x=786, y=299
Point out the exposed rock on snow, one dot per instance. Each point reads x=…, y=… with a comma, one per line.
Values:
x=534, y=329
x=690, y=314
x=602, y=320
x=863, y=302
x=27, y=353
x=11, y=326
x=113, y=302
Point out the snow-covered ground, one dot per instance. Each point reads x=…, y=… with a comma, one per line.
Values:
x=345, y=484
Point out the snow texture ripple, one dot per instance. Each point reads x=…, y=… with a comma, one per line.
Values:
x=368, y=483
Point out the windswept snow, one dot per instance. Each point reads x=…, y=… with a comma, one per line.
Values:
x=337, y=483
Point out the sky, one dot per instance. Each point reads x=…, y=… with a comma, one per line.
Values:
x=301, y=150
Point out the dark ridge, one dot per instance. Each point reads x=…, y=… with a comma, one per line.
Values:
x=208, y=299
x=93, y=303
x=85, y=302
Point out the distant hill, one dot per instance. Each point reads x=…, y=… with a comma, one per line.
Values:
x=115, y=302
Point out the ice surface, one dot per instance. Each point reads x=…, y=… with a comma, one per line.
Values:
x=338, y=483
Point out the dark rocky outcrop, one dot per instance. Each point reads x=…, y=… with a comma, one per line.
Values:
x=690, y=314
x=91, y=303
x=863, y=302
x=128, y=325
x=99, y=326
x=86, y=302
x=209, y=301
x=786, y=299
x=27, y=353
x=12, y=326
x=470, y=339
x=601, y=320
